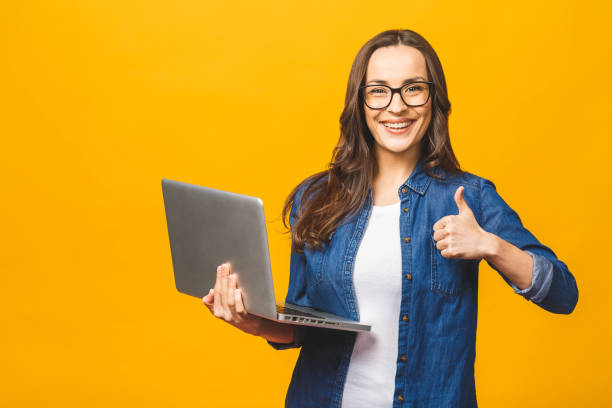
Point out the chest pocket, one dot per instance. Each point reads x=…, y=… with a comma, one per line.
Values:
x=451, y=276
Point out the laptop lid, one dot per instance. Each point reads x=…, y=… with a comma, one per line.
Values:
x=208, y=227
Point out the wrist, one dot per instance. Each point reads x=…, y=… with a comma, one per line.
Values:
x=491, y=246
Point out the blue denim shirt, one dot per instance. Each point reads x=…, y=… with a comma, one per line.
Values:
x=437, y=323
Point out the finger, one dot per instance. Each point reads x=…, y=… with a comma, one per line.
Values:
x=442, y=222
x=442, y=244
x=440, y=234
x=224, y=288
x=231, y=297
x=450, y=253
x=218, y=294
x=239, y=304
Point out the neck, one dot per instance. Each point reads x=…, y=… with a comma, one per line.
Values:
x=395, y=168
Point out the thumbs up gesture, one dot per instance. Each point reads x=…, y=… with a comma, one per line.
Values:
x=460, y=236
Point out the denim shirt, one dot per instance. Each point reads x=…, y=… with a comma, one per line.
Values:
x=437, y=321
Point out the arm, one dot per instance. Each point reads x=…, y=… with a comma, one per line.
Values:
x=515, y=264
x=276, y=332
x=530, y=274
x=530, y=268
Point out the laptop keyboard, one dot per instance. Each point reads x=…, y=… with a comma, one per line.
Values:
x=288, y=311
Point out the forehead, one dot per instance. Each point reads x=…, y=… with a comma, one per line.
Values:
x=396, y=63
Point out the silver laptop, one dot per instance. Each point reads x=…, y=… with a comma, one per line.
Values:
x=208, y=227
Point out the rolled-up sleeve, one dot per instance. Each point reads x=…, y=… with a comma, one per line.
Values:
x=540, y=280
x=553, y=287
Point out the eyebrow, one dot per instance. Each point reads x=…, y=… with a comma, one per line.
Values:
x=406, y=81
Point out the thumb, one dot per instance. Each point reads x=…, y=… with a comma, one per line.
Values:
x=460, y=201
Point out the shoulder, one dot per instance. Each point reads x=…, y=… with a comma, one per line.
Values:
x=478, y=191
x=470, y=181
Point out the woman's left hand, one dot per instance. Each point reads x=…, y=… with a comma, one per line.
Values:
x=460, y=236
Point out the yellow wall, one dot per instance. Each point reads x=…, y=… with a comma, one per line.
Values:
x=102, y=99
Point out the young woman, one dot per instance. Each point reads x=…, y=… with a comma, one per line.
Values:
x=392, y=234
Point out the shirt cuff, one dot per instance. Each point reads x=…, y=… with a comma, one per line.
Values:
x=540, y=281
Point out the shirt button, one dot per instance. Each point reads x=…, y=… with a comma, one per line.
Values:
x=405, y=318
x=406, y=209
x=406, y=240
x=403, y=357
x=408, y=276
x=404, y=191
x=400, y=398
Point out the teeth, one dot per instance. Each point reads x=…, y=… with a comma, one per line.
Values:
x=397, y=125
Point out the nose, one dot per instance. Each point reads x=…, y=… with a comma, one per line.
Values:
x=397, y=105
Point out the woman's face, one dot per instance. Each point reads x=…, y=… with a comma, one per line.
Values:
x=394, y=66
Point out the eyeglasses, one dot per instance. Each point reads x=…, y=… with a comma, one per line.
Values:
x=413, y=94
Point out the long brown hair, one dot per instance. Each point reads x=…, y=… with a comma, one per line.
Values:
x=342, y=189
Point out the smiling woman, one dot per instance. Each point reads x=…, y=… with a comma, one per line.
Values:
x=392, y=234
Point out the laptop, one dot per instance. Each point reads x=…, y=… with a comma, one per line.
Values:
x=208, y=227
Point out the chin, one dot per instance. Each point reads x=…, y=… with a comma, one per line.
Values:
x=397, y=142
x=403, y=151
x=398, y=148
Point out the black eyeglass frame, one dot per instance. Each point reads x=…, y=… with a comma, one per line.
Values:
x=399, y=91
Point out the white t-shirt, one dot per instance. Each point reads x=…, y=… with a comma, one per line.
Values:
x=377, y=277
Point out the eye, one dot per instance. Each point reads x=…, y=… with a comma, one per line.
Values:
x=379, y=90
x=414, y=88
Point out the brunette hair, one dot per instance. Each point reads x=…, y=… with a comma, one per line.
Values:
x=341, y=190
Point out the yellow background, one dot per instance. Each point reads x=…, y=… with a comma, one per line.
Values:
x=102, y=99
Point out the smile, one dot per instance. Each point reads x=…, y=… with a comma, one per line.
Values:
x=397, y=127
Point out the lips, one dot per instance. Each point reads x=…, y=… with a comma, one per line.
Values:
x=397, y=120
x=397, y=126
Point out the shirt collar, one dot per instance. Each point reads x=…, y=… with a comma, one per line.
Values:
x=418, y=180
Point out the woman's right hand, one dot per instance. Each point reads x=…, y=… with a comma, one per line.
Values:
x=225, y=302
